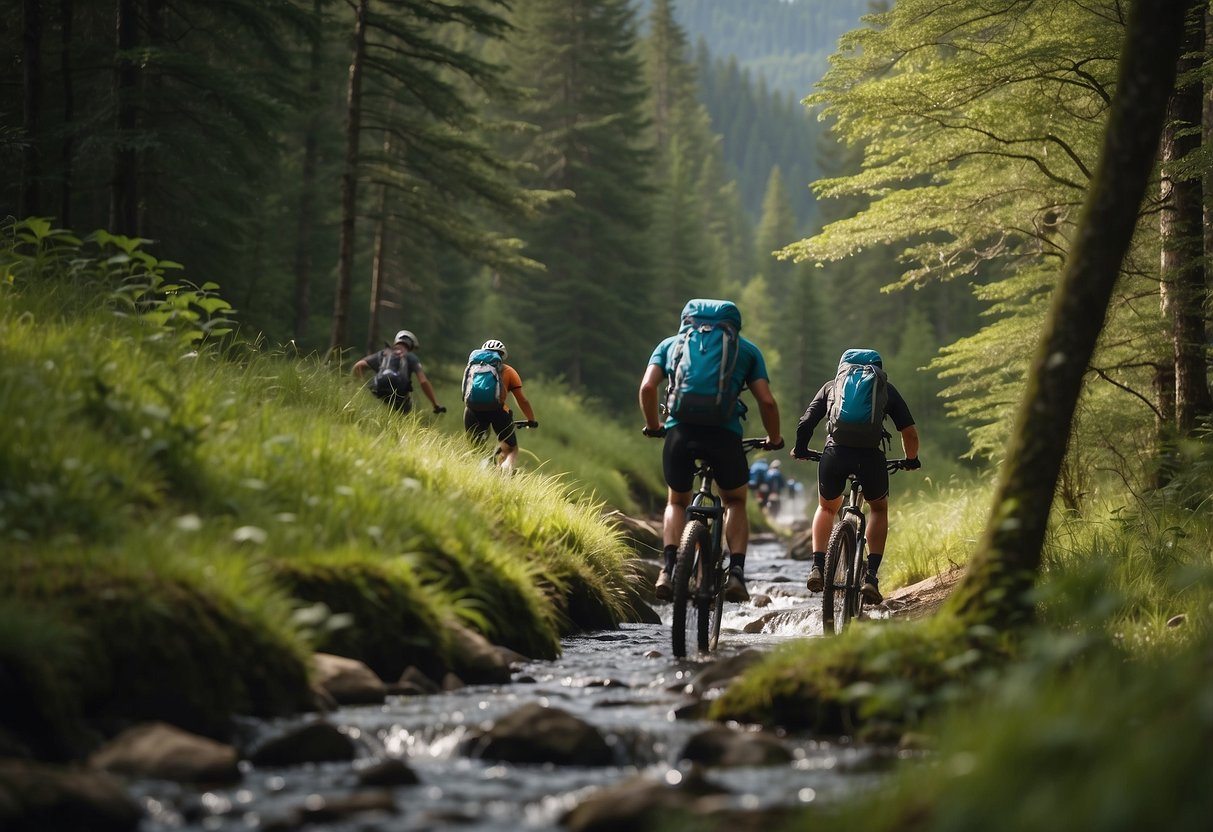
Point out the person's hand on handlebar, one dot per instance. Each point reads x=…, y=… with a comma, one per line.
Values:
x=806, y=455
x=439, y=409
x=772, y=444
x=653, y=433
x=911, y=464
x=531, y=423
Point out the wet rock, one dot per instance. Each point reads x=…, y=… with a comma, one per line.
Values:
x=391, y=772
x=452, y=682
x=652, y=654
x=760, y=600
x=607, y=683
x=477, y=661
x=535, y=734
x=160, y=751
x=693, y=710
x=333, y=809
x=641, y=804
x=720, y=746
x=348, y=681
x=801, y=545
x=720, y=673
x=313, y=742
x=644, y=536
x=414, y=683
x=780, y=618
x=510, y=657
x=39, y=798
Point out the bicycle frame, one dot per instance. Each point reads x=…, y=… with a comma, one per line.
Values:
x=701, y=570
x=707, y=506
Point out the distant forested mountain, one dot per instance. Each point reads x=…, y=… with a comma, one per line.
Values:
x=756, y=59
x=788, y=42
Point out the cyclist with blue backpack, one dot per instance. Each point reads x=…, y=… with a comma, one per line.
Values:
x=394, y=369
x=854, y=404
x=707, y=365
x=487, y=381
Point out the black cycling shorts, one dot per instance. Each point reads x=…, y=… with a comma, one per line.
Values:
x=719, y=447
x=838, y=462
x=478, y=422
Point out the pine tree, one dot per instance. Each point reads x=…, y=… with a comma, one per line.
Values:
x=590, y=315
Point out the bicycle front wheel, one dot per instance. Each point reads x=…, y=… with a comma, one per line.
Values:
x=691, y=579
x=836, y=608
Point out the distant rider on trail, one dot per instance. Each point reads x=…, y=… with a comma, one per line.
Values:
x=487, y=381
x=394, y=369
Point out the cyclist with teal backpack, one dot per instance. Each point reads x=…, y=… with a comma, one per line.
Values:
x=707, y=365
x=487, y=381
x=854, y=404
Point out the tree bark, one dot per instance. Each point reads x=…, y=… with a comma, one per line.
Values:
x=124, y=181
x=1182, y=288
x=995, y=589
x=68, y=149
x=307, y=186
x=349, y=184
x=31, y=121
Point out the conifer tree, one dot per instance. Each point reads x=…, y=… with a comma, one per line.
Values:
x=590, y=317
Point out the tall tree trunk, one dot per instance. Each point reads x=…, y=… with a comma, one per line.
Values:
x=307, y=187
x=68, y=150
x=1003, y=570
x=31, y=121
x=124, y=182
x=151, y=85
x=349, y=184
x=379, y=253
x=1182, y=288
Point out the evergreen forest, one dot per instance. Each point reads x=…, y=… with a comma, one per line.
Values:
x=1008, y=199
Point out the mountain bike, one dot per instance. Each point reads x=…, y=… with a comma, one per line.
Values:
x=841, y=598
x=700, y=573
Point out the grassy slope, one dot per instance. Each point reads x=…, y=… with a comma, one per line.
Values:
x=168, y=516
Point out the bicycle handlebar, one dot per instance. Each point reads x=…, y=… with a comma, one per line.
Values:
x=524, y=423
x=890, y=464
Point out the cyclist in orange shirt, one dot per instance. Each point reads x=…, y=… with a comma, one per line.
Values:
x=478, y=418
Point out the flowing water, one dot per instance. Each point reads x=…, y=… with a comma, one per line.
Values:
x=624, y=682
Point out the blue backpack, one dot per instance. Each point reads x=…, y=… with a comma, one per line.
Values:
x=859, y=401
x=483, y=387
x=702, y=361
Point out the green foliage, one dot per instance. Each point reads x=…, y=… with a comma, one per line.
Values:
x=974, y=163
x=169, y=516
x=588, y=139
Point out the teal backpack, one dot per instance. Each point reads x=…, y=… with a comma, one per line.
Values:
x=859, y=400
x=483, y=387
x=701, y=363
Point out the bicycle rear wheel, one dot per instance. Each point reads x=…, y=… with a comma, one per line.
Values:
x=836, y=607
x=719, y=578
x=691, y=604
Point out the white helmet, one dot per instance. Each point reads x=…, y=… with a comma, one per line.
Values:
x=407, y=338
x=496, y=346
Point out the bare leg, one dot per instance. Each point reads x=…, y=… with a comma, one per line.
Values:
x=823, y=522
x=675, y=519
x=736, y=524
x=878, y=524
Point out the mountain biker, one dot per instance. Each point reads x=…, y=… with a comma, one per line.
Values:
x=775, y=478
x=402, y=356
x=718, y=444
x=868, y=464
x=477, y=422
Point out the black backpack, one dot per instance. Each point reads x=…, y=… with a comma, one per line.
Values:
x=393, y=380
